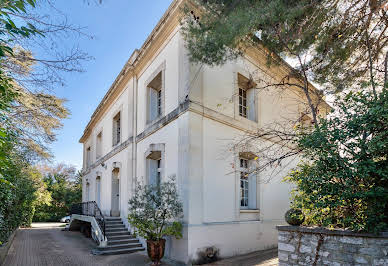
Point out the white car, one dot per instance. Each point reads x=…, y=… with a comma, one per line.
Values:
x=65, y=219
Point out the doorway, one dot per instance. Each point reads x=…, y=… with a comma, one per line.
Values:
x=98, y=191
x=87, y=192
x=115, y=207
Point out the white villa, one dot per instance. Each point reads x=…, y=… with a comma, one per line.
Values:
x=165, y=116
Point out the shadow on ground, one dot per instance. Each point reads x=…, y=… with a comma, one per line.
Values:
x=46, y=244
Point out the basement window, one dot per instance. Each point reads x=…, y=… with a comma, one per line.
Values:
x=247, y=98
x=116, y=129
x=155, y=98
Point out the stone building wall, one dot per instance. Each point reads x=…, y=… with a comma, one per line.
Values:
x=317, y=246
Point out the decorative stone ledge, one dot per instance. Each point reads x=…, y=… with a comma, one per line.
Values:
x=320, y=246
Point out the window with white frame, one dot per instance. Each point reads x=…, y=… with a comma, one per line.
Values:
x=242, y=102
x=247, y=106
x=99, y=145
x=248, y=182
x=154, y=165
x=116, y=129
x=244, y=183
x=155, y=98
x=88, y=156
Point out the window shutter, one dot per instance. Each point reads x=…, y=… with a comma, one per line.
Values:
x=153, y=108
x=252, y=193
x=114, y=128
x=251, y=104
x=152, y=171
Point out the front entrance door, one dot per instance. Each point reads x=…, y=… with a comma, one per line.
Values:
x=87, y=198
x=115, y=208
x=98, y=191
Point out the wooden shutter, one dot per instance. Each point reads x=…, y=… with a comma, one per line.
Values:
x=153, y=107
x=152, y=171
x=252, y=190
x=251, y=104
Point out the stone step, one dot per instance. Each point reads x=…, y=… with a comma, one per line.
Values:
x=114, y=223
x=122, y=241
x=112, y=218
x=121, y=246
x=120, y=237
x=112, y=230
x=119, y=251
x=117, y=233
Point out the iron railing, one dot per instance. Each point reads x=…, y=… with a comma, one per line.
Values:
x=90, y=208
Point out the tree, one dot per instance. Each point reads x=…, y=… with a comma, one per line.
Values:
x=17, y=190
x=343, y=180
x=64, y=185
x=337, y=44
x=29, y=112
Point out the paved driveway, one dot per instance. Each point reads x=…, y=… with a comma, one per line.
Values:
x=45, y=244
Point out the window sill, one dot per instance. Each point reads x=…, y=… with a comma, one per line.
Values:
x=249, y=211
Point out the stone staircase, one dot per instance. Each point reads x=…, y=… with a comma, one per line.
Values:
x=120, y=241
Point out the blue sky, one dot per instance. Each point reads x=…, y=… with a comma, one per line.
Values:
x=119, y=27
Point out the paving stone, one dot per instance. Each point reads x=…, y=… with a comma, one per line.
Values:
x=52, y=246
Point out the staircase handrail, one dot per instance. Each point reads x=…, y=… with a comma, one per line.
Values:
x=90, y=208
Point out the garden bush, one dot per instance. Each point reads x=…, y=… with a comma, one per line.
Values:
x=155, y=211
x=343, y=179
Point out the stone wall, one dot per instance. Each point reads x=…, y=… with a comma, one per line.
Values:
x=317, y=246
x=5, y=247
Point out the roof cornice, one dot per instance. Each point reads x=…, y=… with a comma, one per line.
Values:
x=136, y=63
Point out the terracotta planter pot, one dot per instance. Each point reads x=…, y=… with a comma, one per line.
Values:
x=155, y=250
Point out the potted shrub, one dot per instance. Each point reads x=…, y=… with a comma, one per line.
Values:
x=155, y=212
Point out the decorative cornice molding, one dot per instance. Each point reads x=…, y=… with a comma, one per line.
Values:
x=137, y=62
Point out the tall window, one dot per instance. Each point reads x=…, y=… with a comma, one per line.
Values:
x=244, y=183
x=116, y=129
x=99, y=145
x=88, y=157
x=248, y=181
x=247, y=98
x=159, y=102
x=159, y=171
x=154, y=162
x=155, y=98
x=242, y=102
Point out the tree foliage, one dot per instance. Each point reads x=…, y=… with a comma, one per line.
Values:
x=29, y=112
x=17, y=190
x=155, y=210
x=343, y=47
x=62, y=186
x=343, y=181
x=331, y=41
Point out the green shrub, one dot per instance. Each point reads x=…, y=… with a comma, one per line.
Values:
x=294, y=217
x=17, y=191
x=155, y=211
x=343, y=181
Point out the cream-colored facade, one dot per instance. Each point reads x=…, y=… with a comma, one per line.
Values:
x=165, y=116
